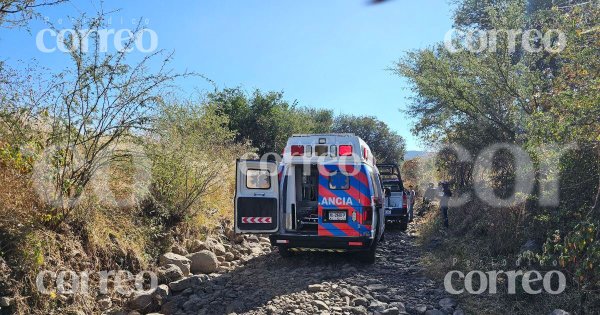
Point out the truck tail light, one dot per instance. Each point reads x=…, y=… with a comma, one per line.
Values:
x=367, y=218
x=404, y=201
x=345, y=150
x=297, y=150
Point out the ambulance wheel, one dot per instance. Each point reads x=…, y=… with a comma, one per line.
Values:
x=368, y=256
x=403, y=225
x=284, y=251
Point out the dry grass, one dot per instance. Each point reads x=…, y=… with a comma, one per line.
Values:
x=17, y=207
x=97, y=238
x=484, y=239
x=98, y=234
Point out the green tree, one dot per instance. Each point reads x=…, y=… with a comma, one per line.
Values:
x=267, y=120
x=191, y=156
x=529, y=98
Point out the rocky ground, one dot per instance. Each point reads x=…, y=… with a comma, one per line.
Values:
x=246, y=277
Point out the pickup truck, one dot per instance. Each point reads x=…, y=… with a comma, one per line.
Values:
x=396, y=203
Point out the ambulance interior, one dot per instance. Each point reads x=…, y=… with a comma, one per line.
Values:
x=304, y=211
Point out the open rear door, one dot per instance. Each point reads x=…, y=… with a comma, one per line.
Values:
x=256, y=197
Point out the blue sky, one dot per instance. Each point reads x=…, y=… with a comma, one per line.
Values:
x=326, y=54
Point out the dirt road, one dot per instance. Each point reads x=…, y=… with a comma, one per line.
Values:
x=321, y=283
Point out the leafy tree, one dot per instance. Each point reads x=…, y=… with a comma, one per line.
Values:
x=191, y=157
x=266, y=119
x=526, y=97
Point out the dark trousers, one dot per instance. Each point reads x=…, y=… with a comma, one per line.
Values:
x=445, y=214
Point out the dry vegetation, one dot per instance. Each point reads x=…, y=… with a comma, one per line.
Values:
x=100, y=236
x=486, y=238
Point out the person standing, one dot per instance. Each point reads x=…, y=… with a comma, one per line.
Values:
x=445, y=194
x=411, y=196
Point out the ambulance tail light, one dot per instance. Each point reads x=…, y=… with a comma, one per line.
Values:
x=345, y=150
x=297, y=150
x=367, y=218
x=365, y=153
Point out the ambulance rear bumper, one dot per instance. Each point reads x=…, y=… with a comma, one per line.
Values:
x=322, y=242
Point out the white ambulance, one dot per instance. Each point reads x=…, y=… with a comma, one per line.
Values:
x=324, y=194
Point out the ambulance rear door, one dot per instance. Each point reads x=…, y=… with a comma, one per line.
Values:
x=256, y=197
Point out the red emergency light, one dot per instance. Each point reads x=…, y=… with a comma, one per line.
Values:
x=365, y=153
x=297, y=150
x=345, y=150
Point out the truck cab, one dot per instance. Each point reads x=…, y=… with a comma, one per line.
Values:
x=396, y=203
x=324, y=194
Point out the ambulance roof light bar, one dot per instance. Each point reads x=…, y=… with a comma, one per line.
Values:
x=324, y=135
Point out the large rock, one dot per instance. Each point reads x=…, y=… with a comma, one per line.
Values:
x=161, y=293
x=204, y=262
x=346, y=292
x=360, y=301
x=229, y=256
x=179, y=250
x=399, y=305
x=391, y=311
x=186, y=283
x=215, y=246
x=315, y=288
x=377, y=306
x=173, y=259
x=142, y=302
x=321, y=305
x=169, y=273
x=197, y=245
x=420, y=309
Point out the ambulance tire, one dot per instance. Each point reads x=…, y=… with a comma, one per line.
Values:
x=368, y=256
x=284, y=251
x=403, y=225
